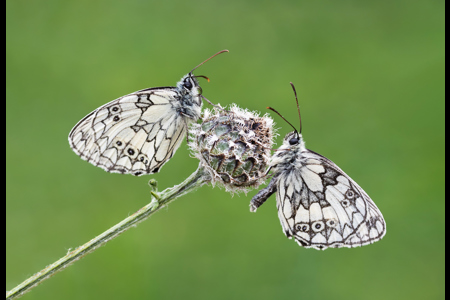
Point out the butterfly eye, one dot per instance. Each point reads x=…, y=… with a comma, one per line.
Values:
x=188, y=83
x=293, y=141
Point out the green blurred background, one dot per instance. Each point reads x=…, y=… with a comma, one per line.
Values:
x=370, y=78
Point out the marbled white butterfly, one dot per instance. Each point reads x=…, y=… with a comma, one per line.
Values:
x=318, y=204
x=138, y=133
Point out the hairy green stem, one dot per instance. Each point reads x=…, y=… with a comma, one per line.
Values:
x=159, y=200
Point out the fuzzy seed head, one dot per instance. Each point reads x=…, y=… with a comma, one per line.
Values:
x=234, y=146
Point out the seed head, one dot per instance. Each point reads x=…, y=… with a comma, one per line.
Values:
x=234, y=146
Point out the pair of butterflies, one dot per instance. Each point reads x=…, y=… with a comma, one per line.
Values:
x=318, y=204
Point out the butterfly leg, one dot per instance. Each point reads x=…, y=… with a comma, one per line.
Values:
x=215, y=105
x=263, y=194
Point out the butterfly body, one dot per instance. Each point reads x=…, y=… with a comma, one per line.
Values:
x=138, y=133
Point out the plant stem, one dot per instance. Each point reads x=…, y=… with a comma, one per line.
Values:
x=159, y=200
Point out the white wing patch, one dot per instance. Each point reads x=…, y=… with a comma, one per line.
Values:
x=321, y=206
x=135, y=134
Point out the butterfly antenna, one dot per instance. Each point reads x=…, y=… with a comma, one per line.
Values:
x=202, y=76
x=282, y=117
x=207, y=60
x=298, y=107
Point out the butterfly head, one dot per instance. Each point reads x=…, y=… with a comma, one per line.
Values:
x=285, y=156
x=188, y=85
x=188, y=82
x=293, y=140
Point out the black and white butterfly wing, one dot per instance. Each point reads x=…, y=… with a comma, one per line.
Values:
x=135, y=134
x=321, y=206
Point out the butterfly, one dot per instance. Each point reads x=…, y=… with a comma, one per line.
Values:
x=138, y=133
x=318, y=204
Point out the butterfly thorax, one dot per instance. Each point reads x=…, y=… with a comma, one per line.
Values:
x=289, y=156
x=190, y=102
